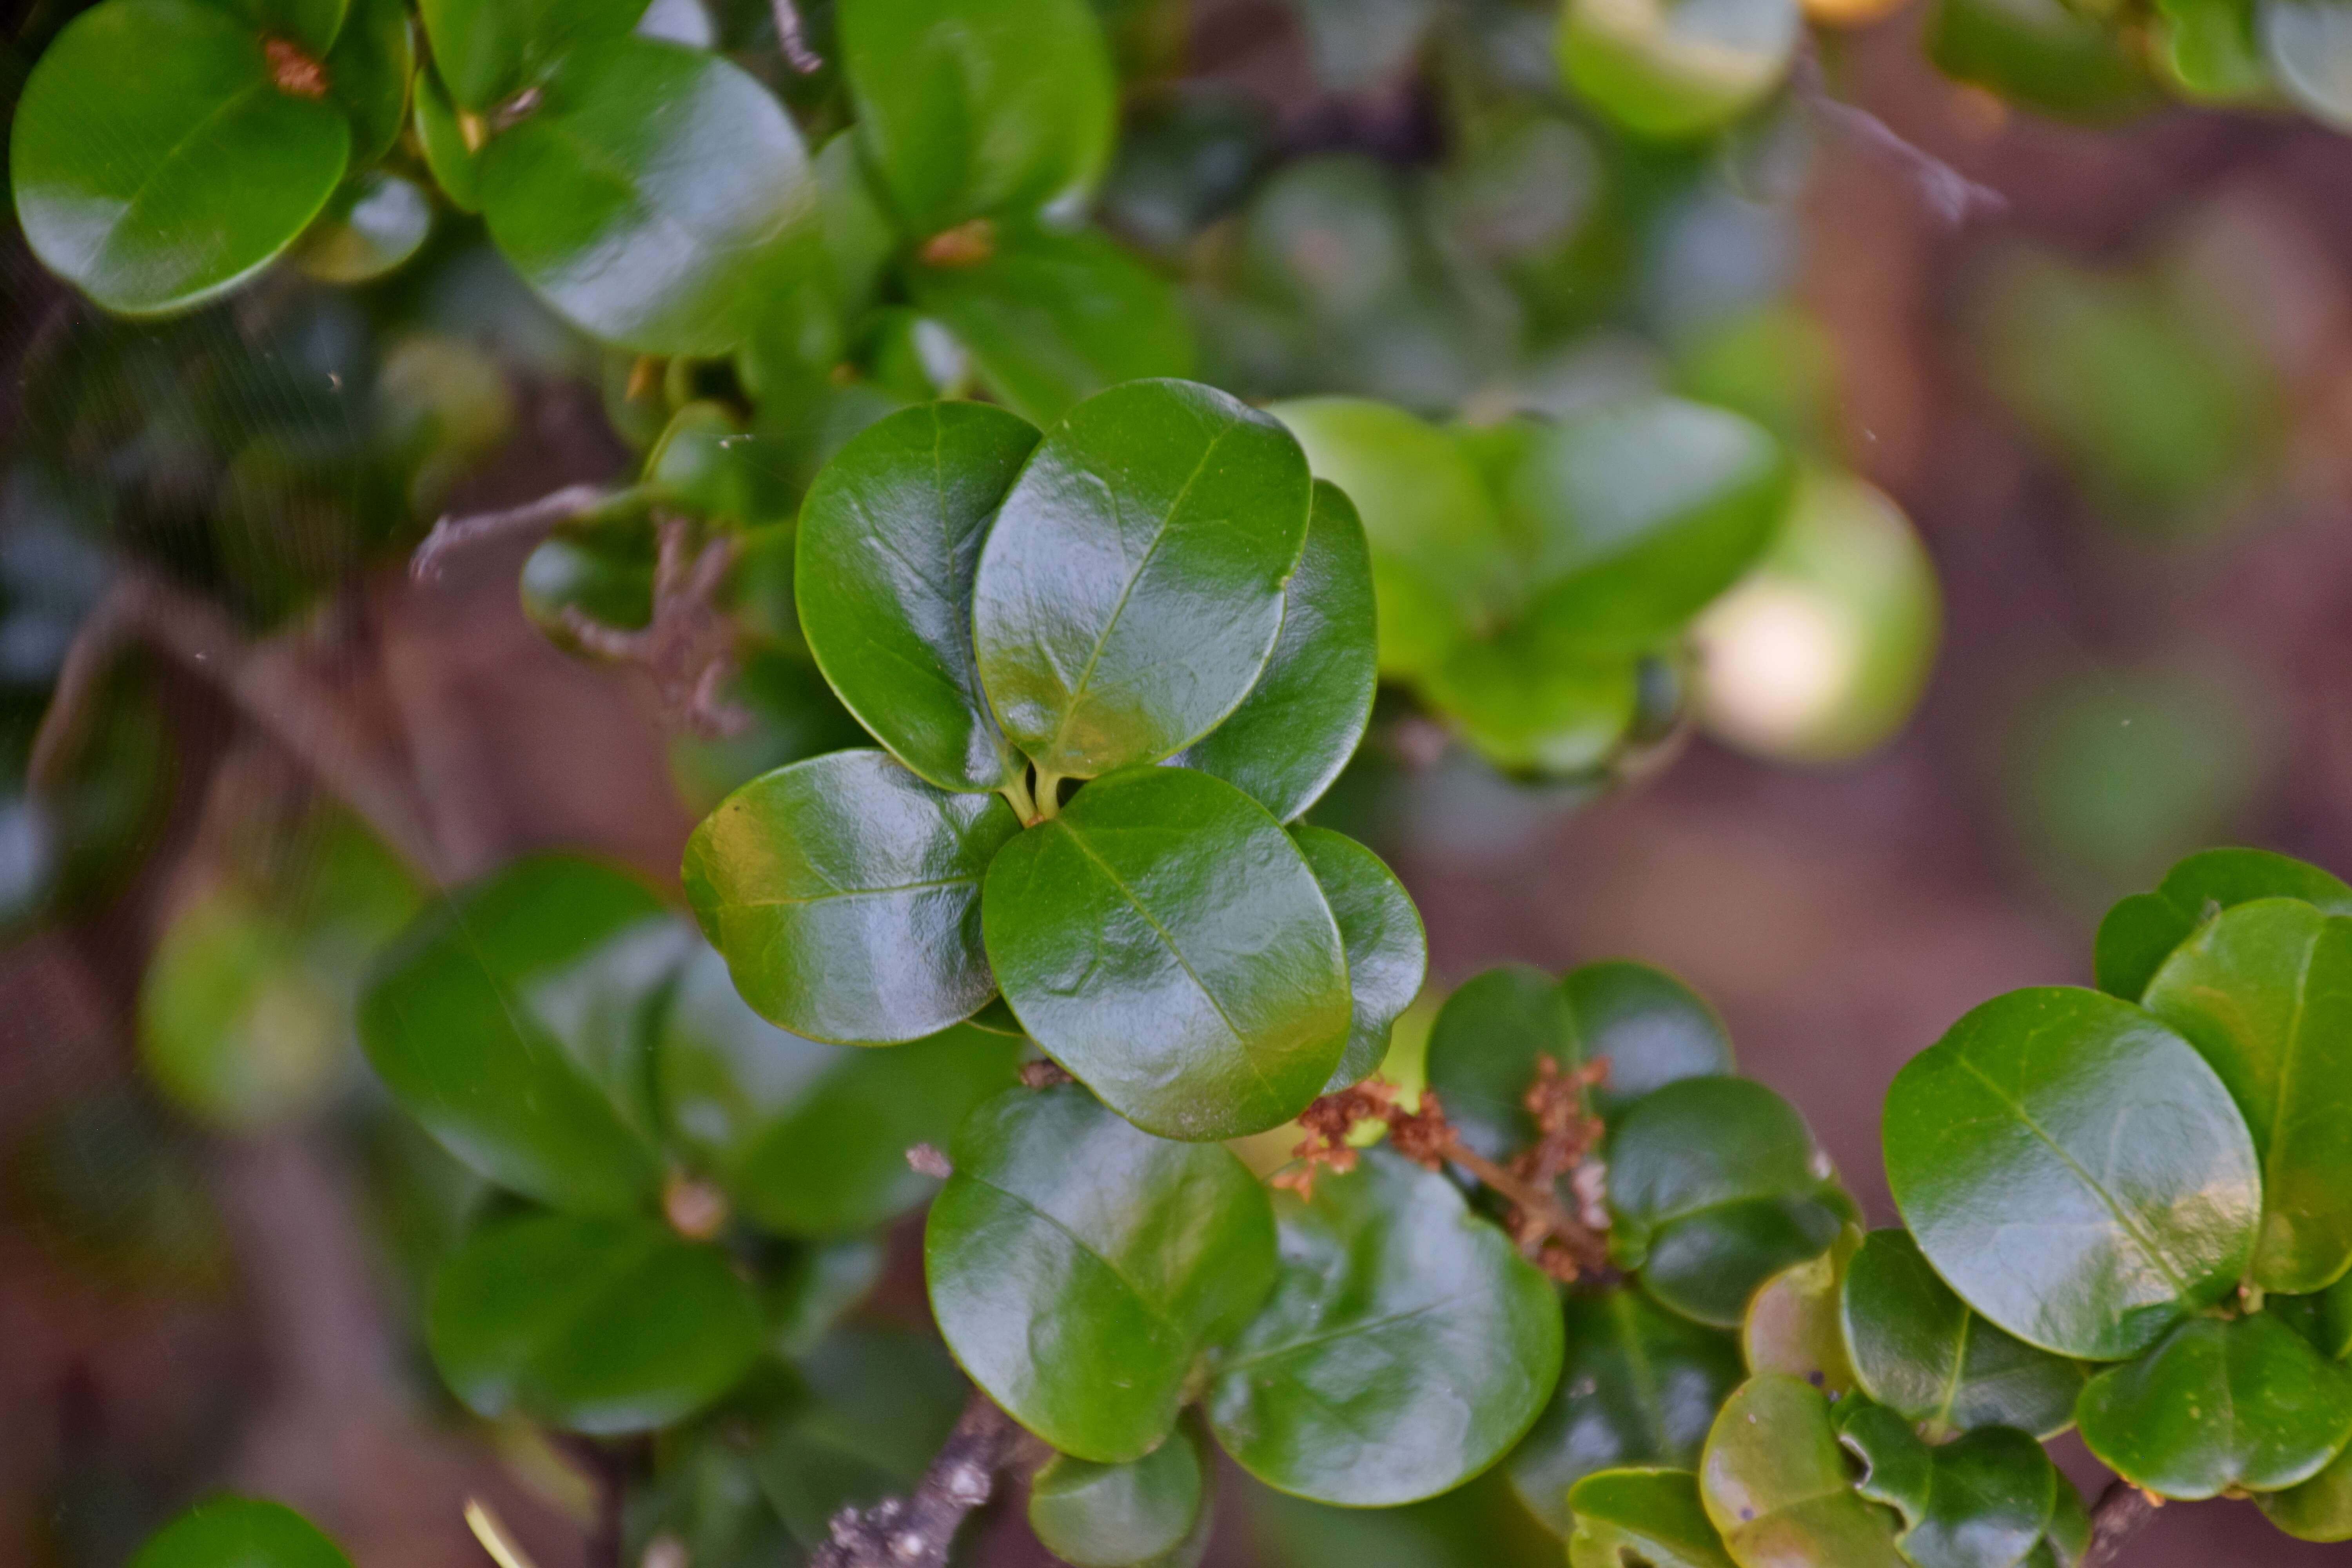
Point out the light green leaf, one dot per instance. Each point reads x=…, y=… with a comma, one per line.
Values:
x=1646, y=1516
x=1982, y=1501
x=239, y=1532
x=1776, y=1485
x=487, y=50
x=1793, y=1326
x=1674, y=68
x=2140, y=932
x=1380, y=931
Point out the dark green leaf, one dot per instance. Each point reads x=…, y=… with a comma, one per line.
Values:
x=1650, y=1028
x=598, y=567
x=1304, y=719
x=808, y=1139
x=1980, y=1501
x=1406, y=1346
x=1640, y=1386
x=158, y=190
x=239, y=1532
x=2324, y=1319
x=312, y=24
x=1131, y=591
x=2317, y=1509
x=1792, y=1327
x=2043, y=54
x=1774, y=1483
x=1644, y=1516
x=1146, y=1512
x=652, y=197
x=1533, y=707
x=1051, y=318
x=1678, y=70
x=2308, y=44
x=845, y=892
x=1165, y=941
x=487, y=50
x=2264, y=993
x=374, y=223
x=1716, y=1185
x=510, y=1020
x=1483, y=1048
x=880, y=1402
x=2219, y=1402
x=705, y=464
x=889, y=536
x=1380, y=930
x=981, y=108
x=814, y=1286
x=455, y=166
x=591, y=1325
x=368, y=73
x=2075, y=1170
x=1077, y=1265
x=1919, y=1350
x=2140, y=932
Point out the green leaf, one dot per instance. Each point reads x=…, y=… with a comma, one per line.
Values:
x=1775, y=1484
x=2324, y=1319
x=157, y=191
x=817, y=1283
x=590, y=1325
x=2240, y=1403
x=1673, y=68
x=1792, y=1325
x=511, y=1021
x=1483, y=1048
x=981, y=108
x=1051, y=318
x=845, y=892
x=1306, y=716
x=1381, y=935
x=1640, y=1386
x=2075, y=1170
x=879, y=1402
x=2043, y=54
x=312, y=24
x=1079, y=1265
x=2140, y=932
x=1716, y=1185
x=1920, y=1351
x=1534, y=707
x=368, y=74
x=1646, y=1516
x=2308, y=44
x=1166, y=941
x=1982, y=1501
x=1131, y=591
x=1440, y=562
x=705, y=463
x=239, y=1532
x=1406, y=1347
x=455, y=166
x=2208, y=50
x=890, y=537
x=652, y=197
x=489, y=50
x=1649, y=1026
x=2317, y=1509
x=811, y=1140
x=2264, y=993
x=1152, y=1511
x=374, y=223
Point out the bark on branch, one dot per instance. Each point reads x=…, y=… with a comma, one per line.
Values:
x=2122, y=1511
x=916, y=1531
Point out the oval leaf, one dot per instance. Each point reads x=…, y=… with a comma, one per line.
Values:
x=1079, y=1265
x=490, y=49
x=1166, y=941
x=368, y=74
x=373, y=225
x=1534, y=708
x=2075, y=1170
x=1672, y=72
x=239, y=1532
x=1483, y=1049
x=889, y=536
x=1131, y=591
x=1646, y=1516
x=2317, y=1509
x=1982, y=1501
x=2140, y=932
x=1304, y=719
x=845, y=892
x=590, y=1325
x=1776, y=1485
x=158, y=190
x=1115, y=1516
x=1407, y=1344
x=2244, y=1403
x=1649, y=1026
x=1792, y=1327
x=1381, y=933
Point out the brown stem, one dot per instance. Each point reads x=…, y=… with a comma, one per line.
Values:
x=916, y=1531
x=688, y=646
x=1591, y=1251
x=791, y=41
x=2122, y=1511
x=530, y=519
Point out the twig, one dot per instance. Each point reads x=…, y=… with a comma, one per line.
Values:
x=2122, y=1511
x=1951, y=195
x=688, y=647
x=530, y=520
x=791, y=41
x=916, y=1531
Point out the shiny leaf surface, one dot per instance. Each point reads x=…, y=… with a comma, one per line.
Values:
x=1649, y=1026
x=239, y=1532
x=2317, y=1509
x=1982, y=1501
x=1671, y=70
x=487, y=51
x=1381, y=935
x=368, y=76
x=1533, y=708
x=1114, y=1516
x=2140, y=932
x=455, y=166
x=1793, y=1326
x=1483, y=1049
x=1774, y=1483
x=1646, y=1516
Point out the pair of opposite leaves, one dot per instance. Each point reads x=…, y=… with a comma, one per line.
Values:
x=1158, y=579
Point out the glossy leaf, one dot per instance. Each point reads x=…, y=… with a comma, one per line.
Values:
x=2140, y=932
x=157, y=191
x=239, y=1532
x=1303, y=721
x=1774, y=1483
x=371, y=226
x=1051, y=318
x=487, y=50
x=2308, y=45
x=590, y=1325
x=456, y=164
x=1533, y=708
x=1131, y=591
x=1165, y=941
x=1640, y=1385
x=979, y=107
x=510, y=1020
x=1079, y=1265
x=2264, y=993
x=368, y=76
x=2237, y=1403
x=2317, y=1509
x=1982, y=1501
x=1649, y=1026
x=845, y=892
x=1793, y=1326
x=2324, y=1319
x=1145, y=1512
x=1667, y=70
x=811, y=1140
x=705, y=464
x=1648, y=1516
x=1715, y=1186
x=1406, y=1347
x=1381, y=935
x=1483, y=1049
x=1920, y=1351
x=651, y=195
x=889, y=536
